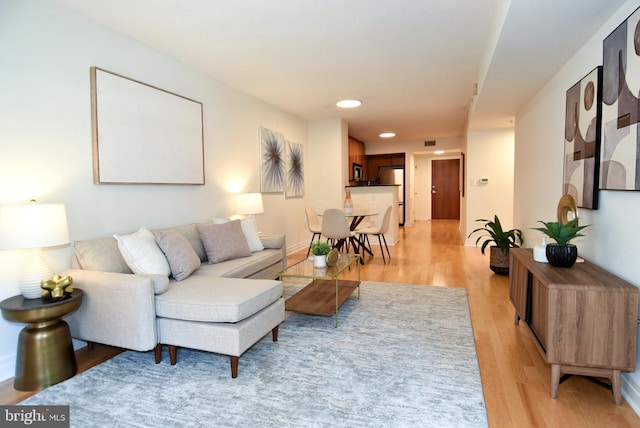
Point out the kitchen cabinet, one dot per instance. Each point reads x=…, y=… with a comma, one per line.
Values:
x=376, y=161
x=583, y=319
x=356, y=155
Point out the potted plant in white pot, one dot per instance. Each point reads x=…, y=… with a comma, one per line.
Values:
x=502, y=240
x=561, y=254
x=320, y=249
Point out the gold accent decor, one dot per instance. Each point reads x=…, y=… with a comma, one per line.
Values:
x=332, y=257
x=567, y=209
x=57, y=287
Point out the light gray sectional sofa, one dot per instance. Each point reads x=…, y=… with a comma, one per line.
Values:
x=223, y=307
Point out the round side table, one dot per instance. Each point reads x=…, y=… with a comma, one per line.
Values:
x=45, y=352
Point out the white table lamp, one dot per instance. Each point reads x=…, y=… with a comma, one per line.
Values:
x=33, y=226
x=249, y=203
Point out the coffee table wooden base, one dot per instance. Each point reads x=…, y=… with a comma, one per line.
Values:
x=319, y=297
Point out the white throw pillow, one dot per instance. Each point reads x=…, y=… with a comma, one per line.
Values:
x=250, y=231
x=142, y=254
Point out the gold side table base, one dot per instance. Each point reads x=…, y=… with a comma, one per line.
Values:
x=45, y=353
x=45, y=356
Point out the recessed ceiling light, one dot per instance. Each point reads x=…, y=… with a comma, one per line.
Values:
x=349, y=103
x=387, y=135
x=439, y=152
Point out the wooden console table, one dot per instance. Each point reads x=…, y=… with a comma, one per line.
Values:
x=584, y=319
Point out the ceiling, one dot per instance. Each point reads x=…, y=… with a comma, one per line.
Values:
x=413, y=63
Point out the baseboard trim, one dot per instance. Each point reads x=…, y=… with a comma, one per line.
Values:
x=631, y=393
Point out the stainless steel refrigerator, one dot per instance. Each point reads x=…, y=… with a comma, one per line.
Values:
x=395, y=176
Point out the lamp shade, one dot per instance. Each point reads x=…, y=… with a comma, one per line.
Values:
x=33, y=225
x=249, y=203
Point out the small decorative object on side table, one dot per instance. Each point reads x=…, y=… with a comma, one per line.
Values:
x=45, y=353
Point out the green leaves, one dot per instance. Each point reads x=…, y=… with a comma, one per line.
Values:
x=561, y=233
x=493, y=233
x=320, y=248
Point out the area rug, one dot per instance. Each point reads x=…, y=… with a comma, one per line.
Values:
x=402, y=356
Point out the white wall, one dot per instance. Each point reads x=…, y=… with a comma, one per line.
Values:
x=328, y=148
x=612, y=239
x=45, y=139
x=490, y=154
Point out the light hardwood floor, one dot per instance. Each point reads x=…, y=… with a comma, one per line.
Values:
x=515, y=379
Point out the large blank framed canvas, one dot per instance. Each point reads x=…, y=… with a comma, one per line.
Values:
x=143, y=134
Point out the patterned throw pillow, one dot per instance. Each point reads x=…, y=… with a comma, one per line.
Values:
x=224, y=241
x=181, y=256
x=250, y=230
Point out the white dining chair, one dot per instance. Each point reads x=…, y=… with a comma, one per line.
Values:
x=378, y=231
x=313, y=224
x=336, y=228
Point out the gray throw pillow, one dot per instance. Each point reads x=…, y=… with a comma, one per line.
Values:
x=224, y=241
x=181, y=256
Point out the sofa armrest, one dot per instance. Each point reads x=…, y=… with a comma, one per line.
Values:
x=117, y=309
x=272, y=241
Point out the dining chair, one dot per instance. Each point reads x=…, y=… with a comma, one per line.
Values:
x=336, y=228
x=313, y=224
x=378, y=231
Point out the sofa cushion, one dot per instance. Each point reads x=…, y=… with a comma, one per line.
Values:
x=181, y=256
x=223, y=241
x=142, y=254
x=250, y=231
x=210, y=299
x=101, y=254
x=243, y=267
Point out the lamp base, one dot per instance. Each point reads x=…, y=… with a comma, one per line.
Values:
x=33, y=273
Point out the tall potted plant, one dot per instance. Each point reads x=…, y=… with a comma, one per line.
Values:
x=561, y=254
x=492, y=232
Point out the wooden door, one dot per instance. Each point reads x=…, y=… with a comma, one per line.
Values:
x=445, y=193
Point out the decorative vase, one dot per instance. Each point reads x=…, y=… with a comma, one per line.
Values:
x=348, y=203
x=498, y=262
x=320, y=261
x=562, y=256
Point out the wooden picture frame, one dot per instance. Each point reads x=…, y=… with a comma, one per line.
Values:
x=143, y=134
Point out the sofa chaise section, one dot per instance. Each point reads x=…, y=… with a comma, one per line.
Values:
x=144, y=312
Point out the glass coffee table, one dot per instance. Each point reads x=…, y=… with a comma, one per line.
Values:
x=326, y=292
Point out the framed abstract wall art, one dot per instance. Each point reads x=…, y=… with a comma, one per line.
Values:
x=295, y=169
x=272, y=159
x=143, y=134
x=582, y=140
x=620, y=158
